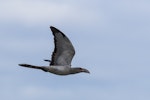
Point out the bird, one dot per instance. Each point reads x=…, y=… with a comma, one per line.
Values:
x=61, y=58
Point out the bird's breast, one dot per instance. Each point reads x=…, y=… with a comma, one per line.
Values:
x=60, y=70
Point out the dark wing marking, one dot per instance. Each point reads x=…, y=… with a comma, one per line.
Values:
x=63, y=51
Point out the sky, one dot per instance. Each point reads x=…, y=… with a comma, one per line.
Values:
x=111, y=39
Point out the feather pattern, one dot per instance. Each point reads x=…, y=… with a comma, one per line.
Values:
x=63, y=51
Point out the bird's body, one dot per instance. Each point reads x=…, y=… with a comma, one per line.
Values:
x=63, y=53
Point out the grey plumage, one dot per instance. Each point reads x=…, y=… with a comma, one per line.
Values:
x=62, y=56
x=64, y=50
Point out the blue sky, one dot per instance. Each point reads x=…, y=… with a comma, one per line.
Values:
x=111, y=38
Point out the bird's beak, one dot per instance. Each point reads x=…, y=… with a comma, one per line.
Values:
x=86, y=71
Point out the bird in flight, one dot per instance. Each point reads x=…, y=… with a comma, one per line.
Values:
x=60, y=63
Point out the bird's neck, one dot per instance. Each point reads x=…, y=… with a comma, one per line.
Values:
x=74, y=70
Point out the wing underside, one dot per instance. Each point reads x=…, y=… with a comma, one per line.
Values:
x=63, y=51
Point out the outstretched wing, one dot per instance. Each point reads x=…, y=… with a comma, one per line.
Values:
x=63, y=51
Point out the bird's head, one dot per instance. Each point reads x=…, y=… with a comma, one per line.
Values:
x=78, y=70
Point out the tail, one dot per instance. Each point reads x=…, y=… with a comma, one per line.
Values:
x=33, y=66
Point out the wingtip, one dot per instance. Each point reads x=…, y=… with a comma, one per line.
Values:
x=52, y=27
x=55, y=30
x=47, y=60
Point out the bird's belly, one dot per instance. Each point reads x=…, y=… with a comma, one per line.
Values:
x=60, y=70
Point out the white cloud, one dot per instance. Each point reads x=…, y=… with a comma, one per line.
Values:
x=32, y=11
x=41, y=11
